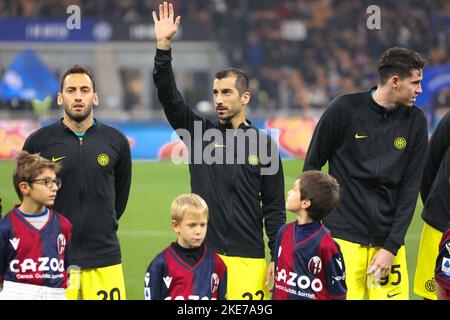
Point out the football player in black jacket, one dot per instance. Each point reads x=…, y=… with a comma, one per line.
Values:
x=243, y=197
x=96, y=175
x=374, y=142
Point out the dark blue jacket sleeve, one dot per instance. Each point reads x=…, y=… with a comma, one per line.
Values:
x=223, y=286
x=153, y=286
x=337, y=288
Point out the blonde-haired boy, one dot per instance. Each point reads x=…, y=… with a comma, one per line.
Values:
x=187, y=269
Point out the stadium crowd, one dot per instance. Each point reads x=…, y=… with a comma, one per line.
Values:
x=299, y=53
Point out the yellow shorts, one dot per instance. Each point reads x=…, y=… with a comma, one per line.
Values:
x=360, y=285
x=246, y=278
x=105, y=283
x=424, y=284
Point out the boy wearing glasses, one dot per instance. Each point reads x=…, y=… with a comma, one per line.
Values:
x=34, y=239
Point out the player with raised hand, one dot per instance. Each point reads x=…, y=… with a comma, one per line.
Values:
x=243, y=198
x=165, y=26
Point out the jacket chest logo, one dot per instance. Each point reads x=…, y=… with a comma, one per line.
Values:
x=103, y=159
x=400, y=143
x=253, y=159
x=358, y=136
x=56, y=159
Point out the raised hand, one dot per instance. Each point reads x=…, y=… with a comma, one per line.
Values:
x=165, y=26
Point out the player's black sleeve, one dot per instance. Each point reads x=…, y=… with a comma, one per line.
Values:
x=273, y=204
x=123, y=177
x=30, y=145
x=179, y=115
x=409, y=188
x=326, y=136
x=438, y=145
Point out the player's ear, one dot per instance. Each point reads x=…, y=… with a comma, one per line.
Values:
x=59, y=99
x=24, y=187
x=245, y=98
x=175, y=226
x=395, y=80
x=95, y=99
x=306, y=204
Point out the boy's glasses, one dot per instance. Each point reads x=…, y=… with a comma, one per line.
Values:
x=48, y=182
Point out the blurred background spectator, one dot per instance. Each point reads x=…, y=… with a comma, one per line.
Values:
x=299, y=54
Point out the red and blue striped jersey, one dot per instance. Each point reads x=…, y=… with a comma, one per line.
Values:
x=170, y=278
x=35, y=256
x=309, y=269
x=442, y=270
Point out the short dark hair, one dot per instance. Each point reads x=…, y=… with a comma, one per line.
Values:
x=241, y=78
x=400, y=62
x=322, y=190
x=77, y=69
x=28, y=167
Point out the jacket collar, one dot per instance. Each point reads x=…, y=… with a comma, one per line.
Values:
x=227, y=125
x=378, y=107
x=95, y=123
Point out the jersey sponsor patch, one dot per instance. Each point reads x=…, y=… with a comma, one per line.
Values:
x=296, y=284
x=147, y=294
x=446, y=266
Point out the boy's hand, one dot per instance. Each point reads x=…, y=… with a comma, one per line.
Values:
x=269, y=275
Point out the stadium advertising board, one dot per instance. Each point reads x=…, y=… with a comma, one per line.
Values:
x=13, y=135
x=54, y=30
x=157, y=140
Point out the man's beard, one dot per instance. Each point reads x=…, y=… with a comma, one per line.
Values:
x=78, y=117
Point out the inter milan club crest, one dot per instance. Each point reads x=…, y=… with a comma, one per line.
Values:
x=315, y=265
x=61, y=243
x=214, y=282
